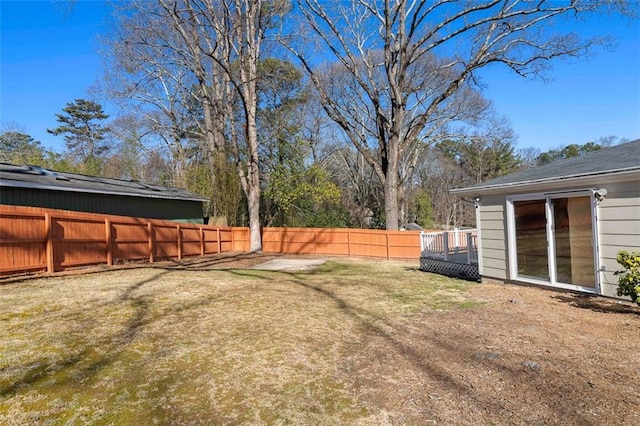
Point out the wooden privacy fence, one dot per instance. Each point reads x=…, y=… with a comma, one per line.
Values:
x=36, y=240
x=342, y=242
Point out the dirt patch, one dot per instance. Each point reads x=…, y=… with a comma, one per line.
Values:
x=211, y=341
x=289, y=264
x=528, y=356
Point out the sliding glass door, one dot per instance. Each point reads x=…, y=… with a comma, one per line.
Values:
x=553, y=238
x=573, y=241
x=531, y=239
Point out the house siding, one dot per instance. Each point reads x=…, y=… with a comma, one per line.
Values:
x=493, y=251
x=615, y=169
x=153, y=208
x=618, y=229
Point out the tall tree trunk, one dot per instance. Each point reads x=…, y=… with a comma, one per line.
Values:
x=391, y=160
x=250, y=47
x=253, y=193
x=391, y=205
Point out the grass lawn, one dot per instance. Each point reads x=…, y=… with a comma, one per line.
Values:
x=351, y=342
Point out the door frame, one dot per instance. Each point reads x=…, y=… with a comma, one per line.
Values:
x=551, y=250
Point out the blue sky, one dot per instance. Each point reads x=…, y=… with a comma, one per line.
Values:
x=48, y=58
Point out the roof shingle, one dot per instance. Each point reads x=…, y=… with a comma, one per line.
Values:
x=616, y=159
x=36, y=177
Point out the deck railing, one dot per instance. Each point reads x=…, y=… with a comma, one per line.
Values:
x=451, y=246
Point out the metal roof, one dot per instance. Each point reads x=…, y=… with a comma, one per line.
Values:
x=35, y=177
x=616, y=160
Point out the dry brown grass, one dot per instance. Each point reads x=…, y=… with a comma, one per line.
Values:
x=352, y=342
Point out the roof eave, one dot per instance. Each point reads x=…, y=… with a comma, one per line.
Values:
x=31, y=185
x=552, y=183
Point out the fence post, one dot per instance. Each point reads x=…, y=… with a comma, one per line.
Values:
x=315, y=248
x=49, y=242
x=107, y=239
x=201, y=235
x=219, y=242
x=151, y=245
x=446, y=245
x=386, y=234
x=179, y=242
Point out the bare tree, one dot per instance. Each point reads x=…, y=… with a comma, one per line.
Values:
x=438, y=174
x=195, y=62
x=404, y=64
x=147, y=71
x=224, y=40
x=361, y=189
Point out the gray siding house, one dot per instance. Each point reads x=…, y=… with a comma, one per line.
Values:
x=562, y=224
x=37, y=187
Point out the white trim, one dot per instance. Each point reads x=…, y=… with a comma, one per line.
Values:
x=556, y=285
x=551, y=241
x=479, y=237
x=595, y=233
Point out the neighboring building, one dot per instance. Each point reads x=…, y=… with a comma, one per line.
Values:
x=37, y=187
x=561, y=224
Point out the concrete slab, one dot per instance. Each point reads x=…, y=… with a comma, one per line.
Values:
x=289, y=264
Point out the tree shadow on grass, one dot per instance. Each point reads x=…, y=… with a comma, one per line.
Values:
x=87, y=362
x=375, y=325
x=216, y=261
x=598, y=304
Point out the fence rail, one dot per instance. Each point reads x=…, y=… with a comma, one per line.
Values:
x=456, y=246
x=33, y=239
x=46, y=240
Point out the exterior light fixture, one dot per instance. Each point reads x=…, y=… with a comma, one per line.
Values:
x=600, y=193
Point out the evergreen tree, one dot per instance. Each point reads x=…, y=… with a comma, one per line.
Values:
x=481, y=159
x=20, y=148
x=568, y=151
x=84, y=133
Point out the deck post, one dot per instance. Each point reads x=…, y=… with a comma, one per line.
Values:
x=469, y=247
x=445, y=239
x=456, y=240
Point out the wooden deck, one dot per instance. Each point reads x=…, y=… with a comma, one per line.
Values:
x=460, y=257
x=450, y=253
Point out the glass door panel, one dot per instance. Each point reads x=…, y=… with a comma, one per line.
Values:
x=573, y=238
x=531, y=239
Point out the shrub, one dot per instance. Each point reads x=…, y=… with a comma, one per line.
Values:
x=629, y=278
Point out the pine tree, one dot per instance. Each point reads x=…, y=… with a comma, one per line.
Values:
x=84, y=133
